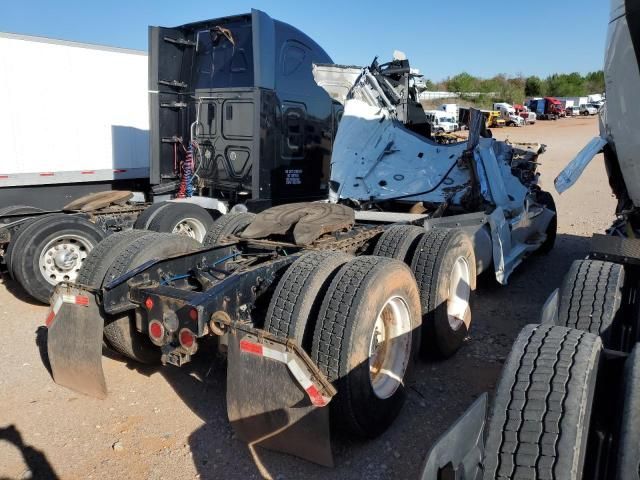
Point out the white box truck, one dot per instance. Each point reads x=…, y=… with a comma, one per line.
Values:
x=75, y=119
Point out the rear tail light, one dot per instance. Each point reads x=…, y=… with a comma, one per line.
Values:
x=187, y=339
x=156, y=332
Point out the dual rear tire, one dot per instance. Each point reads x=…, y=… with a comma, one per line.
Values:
x=359, y=320
x=444, y=265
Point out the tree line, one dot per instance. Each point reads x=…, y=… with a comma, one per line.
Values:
x=514, y=89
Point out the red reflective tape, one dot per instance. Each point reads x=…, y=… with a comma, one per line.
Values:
x=47, y=174
x=316, y=397
x=82, y=300
x=250, y=347
x=87, y=172
x=50, y=318
x=120, y=170
x=4, y=176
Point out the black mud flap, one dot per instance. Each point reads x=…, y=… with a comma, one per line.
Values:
x=457, y=455
x=74, y=340
x=276, y=397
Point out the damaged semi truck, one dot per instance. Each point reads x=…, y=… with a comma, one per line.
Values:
x=235, y=120
x=567, y=403
x=319, y=307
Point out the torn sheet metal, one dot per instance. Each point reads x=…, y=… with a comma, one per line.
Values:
x=572, y=172
x=384, y=158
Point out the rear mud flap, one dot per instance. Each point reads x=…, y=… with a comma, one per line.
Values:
x=458, y=453
x=74, y=341
x=270, y=401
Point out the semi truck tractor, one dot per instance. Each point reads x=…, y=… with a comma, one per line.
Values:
x=319, y=307
x=220, y=114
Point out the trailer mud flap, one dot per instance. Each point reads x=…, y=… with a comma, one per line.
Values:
x=277, y=399
x=74, y=341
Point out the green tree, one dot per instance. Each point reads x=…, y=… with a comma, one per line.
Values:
x=594, y=82
x=463, y=82
x=533, y=87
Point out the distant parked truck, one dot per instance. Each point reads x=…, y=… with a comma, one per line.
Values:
x=509, y=115
x=589, y=109
x=547, y=108
x=573, y=111
x=451, y=109
x=441, y=122
x=524, y=112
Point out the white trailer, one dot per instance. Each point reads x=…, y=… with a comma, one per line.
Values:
x=97, y=130
x=451, y=109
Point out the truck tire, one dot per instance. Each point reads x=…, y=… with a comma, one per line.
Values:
x=15, y=232
x=51, y=249
x=148, y=215
x=542, y=407
x=95, y=266
x=369, y=300
x=295, y=304
x=228, y=224
x=591, y=298
x=399, y=242
x=444, y=265
x=628, y=467
x=546, y=199
x=184, y=219
x=120, y=331
x=17, y=210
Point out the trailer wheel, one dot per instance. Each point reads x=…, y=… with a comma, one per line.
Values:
x=50, y=250
x=363, y=341
x=591, y=298
x=120, y=332
x=228, y=224
x=294, y=307
x=445, y=268
x=628, y=466
x=546, y=199
x=148, y=215
x=542, y=407
x=399, y=242
x=15, y=231
x=185, y=219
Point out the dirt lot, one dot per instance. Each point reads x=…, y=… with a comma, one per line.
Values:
x=171, y=423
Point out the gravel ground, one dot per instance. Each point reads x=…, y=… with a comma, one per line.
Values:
x=171, y=423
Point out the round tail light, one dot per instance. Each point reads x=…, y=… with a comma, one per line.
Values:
x=156, y=332
x=187, y=339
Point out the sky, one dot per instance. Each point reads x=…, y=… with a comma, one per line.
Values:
x=441, y=38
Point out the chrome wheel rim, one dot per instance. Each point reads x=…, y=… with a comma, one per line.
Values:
x=192, y=228
x=459, y=294
x=62, y=257
x=390, y=347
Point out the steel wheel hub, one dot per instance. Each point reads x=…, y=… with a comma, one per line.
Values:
x=191, y=227
x=390, y=347
x=62, y=257
x=459, y=294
